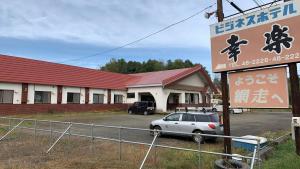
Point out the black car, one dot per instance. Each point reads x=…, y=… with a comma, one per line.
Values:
x=144, y=107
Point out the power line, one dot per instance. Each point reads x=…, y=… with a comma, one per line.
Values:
x=256, y=2
x=142, y=38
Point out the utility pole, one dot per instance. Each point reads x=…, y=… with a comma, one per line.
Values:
x=295, y=92
x=224, y=83
x=294, y=80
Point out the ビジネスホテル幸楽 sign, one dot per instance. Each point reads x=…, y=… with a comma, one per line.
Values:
x=259, y=89
x=267, y=37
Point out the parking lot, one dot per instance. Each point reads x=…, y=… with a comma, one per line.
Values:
x=250, y=123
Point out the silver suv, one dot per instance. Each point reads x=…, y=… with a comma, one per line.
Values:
x=189, y=122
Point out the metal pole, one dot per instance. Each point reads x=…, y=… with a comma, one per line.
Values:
x=258, y=153
x=92, y=137
x=224, y=82
x=142, y=165
x=51, y=131
x=253, y=158
x=120, y=144
x=70, y=124
x=35, y=125
x=295, y=91
x=59, y=138
x=11, y=130
x=199, y=154
x=9, y=124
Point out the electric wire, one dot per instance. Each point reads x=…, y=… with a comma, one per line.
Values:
x=140, y=39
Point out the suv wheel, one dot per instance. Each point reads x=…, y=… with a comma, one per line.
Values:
x=145, y=113
x=129, y=111
x=198, y=138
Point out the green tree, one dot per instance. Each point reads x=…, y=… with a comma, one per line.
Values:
x=122, y=66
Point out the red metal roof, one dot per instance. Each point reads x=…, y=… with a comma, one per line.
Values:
x=155, y=78
x=21, y=70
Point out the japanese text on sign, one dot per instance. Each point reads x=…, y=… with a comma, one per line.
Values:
x=259, y=89
x=263, y=38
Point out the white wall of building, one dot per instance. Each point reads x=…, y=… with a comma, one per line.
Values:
x=17, y=88
x=193, y=80
x=160, y=95
x=47, y=88
x=97, y=91
x=65, y=90
x=118, y=92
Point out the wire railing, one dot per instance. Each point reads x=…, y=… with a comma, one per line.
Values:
x=68, y=129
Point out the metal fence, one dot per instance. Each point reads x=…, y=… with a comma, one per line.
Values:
x=92, y=131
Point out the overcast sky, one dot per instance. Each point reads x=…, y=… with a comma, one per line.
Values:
x=59, y=30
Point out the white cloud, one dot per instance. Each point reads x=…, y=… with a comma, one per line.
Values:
x=106, y=22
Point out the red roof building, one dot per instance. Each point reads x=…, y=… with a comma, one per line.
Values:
x=32, y=81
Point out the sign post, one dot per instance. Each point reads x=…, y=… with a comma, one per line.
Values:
x=294, y=80
x=225, y=99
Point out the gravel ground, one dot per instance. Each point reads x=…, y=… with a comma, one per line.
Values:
x=251, y=123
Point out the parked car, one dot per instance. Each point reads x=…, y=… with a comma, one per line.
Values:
x=190, y=122
x=235, y=111
x=144, y=107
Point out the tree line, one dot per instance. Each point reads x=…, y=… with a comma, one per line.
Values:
x=127, y=67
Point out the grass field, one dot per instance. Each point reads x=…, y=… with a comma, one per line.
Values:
x=22, y=151
x=284, y=157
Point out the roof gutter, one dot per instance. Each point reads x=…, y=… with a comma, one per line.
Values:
x=146, y=85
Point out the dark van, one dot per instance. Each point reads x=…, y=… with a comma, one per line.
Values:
x=144, y=107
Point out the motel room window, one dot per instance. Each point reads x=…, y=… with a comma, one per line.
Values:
x=42, y=97
x=192, y=98
x=118, y=98
x=73, y=98
x=98, y=98
x=6, y=96
x=130, y=95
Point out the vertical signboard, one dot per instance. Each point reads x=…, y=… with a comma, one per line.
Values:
x=259, y=89
x=267, y=37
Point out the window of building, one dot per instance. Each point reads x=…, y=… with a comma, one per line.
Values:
x=130, y=95
x=73, y=98
x=118, y=98
x=192, y=98
x=42, y=97
x=98, y=98
x=6, y=96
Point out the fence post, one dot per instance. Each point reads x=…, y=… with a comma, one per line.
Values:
x=35, y=125
x=51, y=131
x=120, y=144
x=199, y=154
x=9, y=127
x=69, y=132
x=92, y=137
x=253, y=158
x=258, y=153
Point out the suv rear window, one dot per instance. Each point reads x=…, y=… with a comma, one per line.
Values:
x=188, y=117
x=202, y=118
x=214, y=118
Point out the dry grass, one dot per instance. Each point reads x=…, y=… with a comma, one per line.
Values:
x=70, y=116
x=21, y=151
